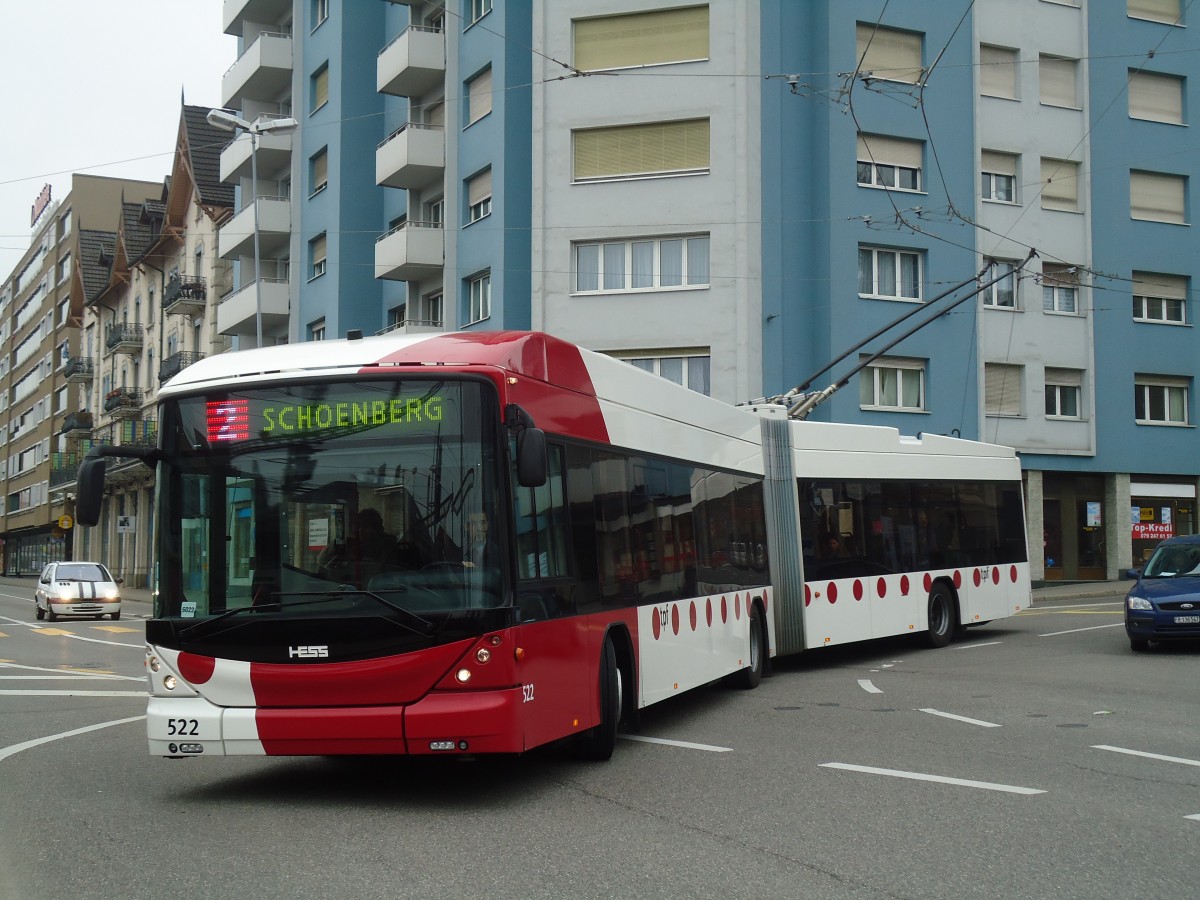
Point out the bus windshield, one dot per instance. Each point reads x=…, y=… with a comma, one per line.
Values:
x=335, y=499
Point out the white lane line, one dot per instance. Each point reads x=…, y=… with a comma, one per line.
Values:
x=940, y=779
x=67, y=673
x=866, y=685
x=69, y=677
x=80, y=637
x=973, y=646
x=1075, y=630
x=78, y=693
x=1175, y=759
x=685, y=744
x=1077, y=606
x=17, y=748
x=946, y=715
x=1196, y=817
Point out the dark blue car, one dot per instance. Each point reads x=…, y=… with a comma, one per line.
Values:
x=1164, y=605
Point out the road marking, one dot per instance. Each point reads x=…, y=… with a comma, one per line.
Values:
x=1048, y=610
x=1196, y=817
x=59, y=632
x=17, y=748
x=1077, y=630
x=1175, y=759
x=66, y=670
x=946, y=715
x=685, y=744
x=141, y=694
x=940, y=779
x=973, y=646
x=866, y=685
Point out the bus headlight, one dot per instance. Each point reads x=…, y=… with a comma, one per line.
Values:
x=463, y=675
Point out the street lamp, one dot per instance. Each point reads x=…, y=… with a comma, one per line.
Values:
x=228, y=121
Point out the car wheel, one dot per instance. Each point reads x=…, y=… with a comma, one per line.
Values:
x=116, y=616
x=1139, y=645
x=38, y=611
x=51, y=614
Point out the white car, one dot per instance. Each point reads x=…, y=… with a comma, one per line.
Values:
x=77, y=589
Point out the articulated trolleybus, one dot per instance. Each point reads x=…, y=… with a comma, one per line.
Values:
x=477, y=543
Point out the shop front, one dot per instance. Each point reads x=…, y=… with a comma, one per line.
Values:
x=1158, y=510
x=27, y=551
x=1074, y=521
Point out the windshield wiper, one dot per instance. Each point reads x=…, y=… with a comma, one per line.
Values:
x=410, y=620
x=206, y=624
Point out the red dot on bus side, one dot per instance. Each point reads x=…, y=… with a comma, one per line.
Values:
x=656, y=627
x=957, y=578
x=995, y=574
x=1012, y=574
x=692, y=614
x=975, y=575
x=724, y=611
x=928, y=581
x=881, y=587
x=831, y=593
x=858, y=589
x=904, y=585
x=807, y=595
x=737, y=606
x=708, y=611
x=675, y=618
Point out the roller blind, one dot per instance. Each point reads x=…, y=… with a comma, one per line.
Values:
x=479, y=188
x=893, y=151
x=320, y=169
x=1157, y=198
x=1155, y=10
x=1153, y=284
x=1060, y=184
x=645, y=149
x=479, y=96
x=320, y=88
x=998, y=163
x=1073, y=377
x=1002, y=389
x=1158, y=98
x=1057, y=81
x=641, y=39
x=997, y=71
x=889, y=54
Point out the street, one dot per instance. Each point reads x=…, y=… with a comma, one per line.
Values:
x=1037, y=757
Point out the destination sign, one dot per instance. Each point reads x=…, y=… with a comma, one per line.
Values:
x=239, y=420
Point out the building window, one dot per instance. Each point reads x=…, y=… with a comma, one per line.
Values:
x=1154, y=197
x=477, y=9
x=316, y=330
x=320, y=12
x=889, y=274
x=479, y=290
x=641, y=151
x=998, y=72
x=889, y=162
x=1159, y=298
x=432, y=308
x=319, y=88
x=1060, y=184
x=318, y=170
x=641, y=38
x=642, y=264
x=316, y=256
x=1060, y=289
x=1003, y=293
x=64, y=268
x=1160, y=400
x=1057, y=81
x=1156, y=98
x=888, y=54
x=1001, y=389
x=479, y=96
x=479, y=196
x=893, y=384
x=1063, y=389
x=688, y=368
x=1165, y=11
x=998, y=176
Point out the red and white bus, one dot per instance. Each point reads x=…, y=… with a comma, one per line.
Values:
x=476, y=543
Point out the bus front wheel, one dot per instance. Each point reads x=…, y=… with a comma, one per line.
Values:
x=941, y=616
x=598, y=743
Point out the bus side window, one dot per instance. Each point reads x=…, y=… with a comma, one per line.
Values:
x=541, y=519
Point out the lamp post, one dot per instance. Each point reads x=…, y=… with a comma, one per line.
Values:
x=228, y=121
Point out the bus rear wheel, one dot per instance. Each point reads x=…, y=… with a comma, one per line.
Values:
x=941, y=616
x=749, y=677
x=598, y=743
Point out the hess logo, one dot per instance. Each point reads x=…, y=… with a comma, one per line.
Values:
x=311, y=652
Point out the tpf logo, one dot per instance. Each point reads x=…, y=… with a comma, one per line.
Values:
x=312, y=652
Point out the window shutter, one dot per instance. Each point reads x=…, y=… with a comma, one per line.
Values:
x=890, y=151
x=479, y=188
x=998, y=72
x=479, y=96
x=1158, y=98
x=1157, y=198
x=1060, y=184
x=1057, y=81
x=889, y=54
x=998, y=163
x=661, y=147
x=321, y=88
x=1002, y=389
x=1071, y=377
x=1153, y=284
x=320, y=169
x=641, y=39
x=1155, y=10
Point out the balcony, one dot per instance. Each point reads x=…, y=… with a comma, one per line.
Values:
x=414, y=326
x=274, y=215
x=125, y=338
x=79, y=370
x=184, y=295
x=411, y=157
x=274, y=153
x=176, y=363
x=410, y=252
x=413, y=63
x=262, y=72
x=123, y=403
x=64, y=467
x=77, y=424
x=236, y=13
x=237, y=312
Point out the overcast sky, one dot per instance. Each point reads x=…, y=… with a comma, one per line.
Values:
x=94, y=86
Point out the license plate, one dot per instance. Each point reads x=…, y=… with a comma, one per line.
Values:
x=1187, y=620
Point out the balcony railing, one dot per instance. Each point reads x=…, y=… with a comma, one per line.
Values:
x=176, y=363
x=64, y=467
x=125, y=337
x=189, y=291
x=79, y=368
x=131, y=432
x=122, y=400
